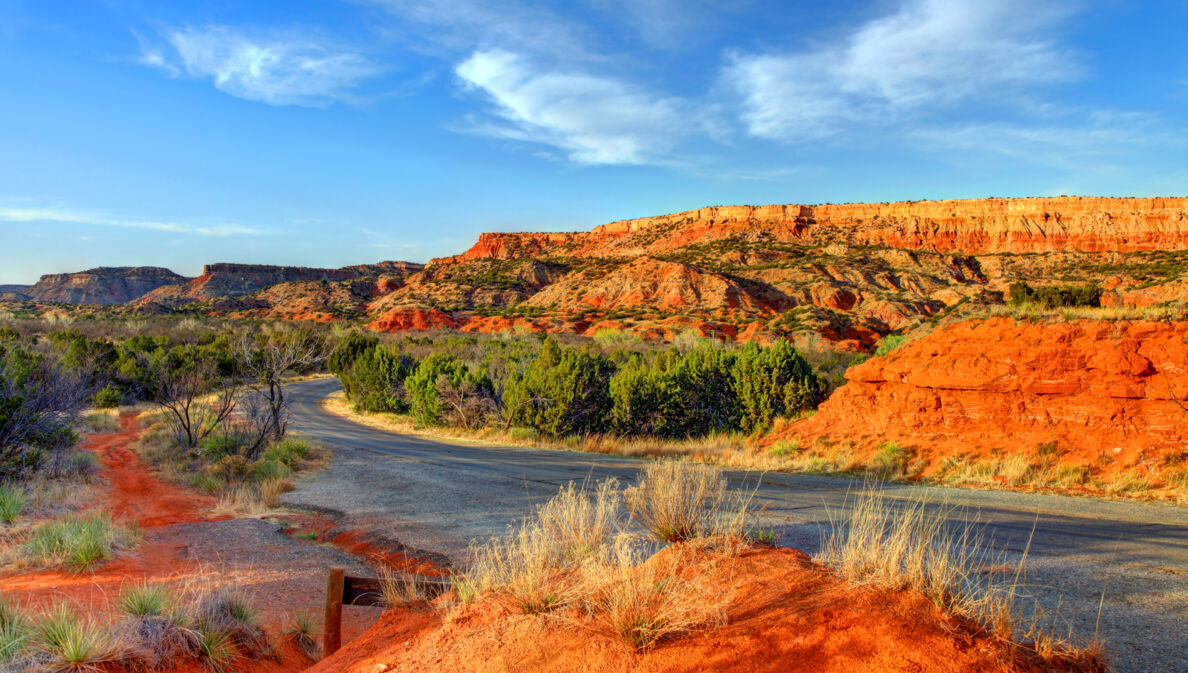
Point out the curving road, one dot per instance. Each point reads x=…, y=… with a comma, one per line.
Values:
x=436, y=497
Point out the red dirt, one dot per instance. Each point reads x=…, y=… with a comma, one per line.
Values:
x=136, y=494
x=786, y=615
x=168, y=554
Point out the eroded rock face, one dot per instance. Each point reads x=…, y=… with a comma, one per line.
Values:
x=1109, y=394
x=970, y=226
x=102, y=285
x=650, y=284
x=238, y=280
x=848, y=272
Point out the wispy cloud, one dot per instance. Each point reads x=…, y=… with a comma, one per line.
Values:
x=278, y=69
x=928, y=54
x=468, y=25
x=592, y=119
x=65, y=216
x=1095, y=140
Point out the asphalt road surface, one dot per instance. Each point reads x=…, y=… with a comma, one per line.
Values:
x=436, y=497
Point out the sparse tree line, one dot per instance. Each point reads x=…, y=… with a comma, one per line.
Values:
x=561, y=390
x=218, y=389
x=222, y=392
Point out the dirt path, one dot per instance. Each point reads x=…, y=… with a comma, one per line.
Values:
x=135, y=494
x=183, y=545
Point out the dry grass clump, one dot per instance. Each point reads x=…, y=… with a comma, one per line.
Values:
x=577, y=551
x=303, y=633
x=643, y=600
x=101, y=421
x=916, y=545
x=403, y=589
x=676, y=502
x=908, y=545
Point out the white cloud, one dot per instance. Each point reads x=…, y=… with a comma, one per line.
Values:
x=76, y=217
x=279, y=70
x=928, y=54
x=593, y=119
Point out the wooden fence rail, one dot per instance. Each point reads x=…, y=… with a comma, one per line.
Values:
x=342, y=589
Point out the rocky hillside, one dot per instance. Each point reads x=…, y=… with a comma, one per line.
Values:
x=102, y=285
x=221, y=281
x=850, y=272
x=13, y=292
x=1084, y=404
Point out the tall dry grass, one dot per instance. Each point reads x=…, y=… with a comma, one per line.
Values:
x=582, y=549
x=924, y=546
x=676, y=502
x=643, y=599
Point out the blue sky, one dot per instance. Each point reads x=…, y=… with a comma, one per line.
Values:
x=328, y=132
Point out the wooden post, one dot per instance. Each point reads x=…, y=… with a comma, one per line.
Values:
x=332, y=620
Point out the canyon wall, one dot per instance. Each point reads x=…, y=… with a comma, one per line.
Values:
x=970, y=226
x=1105, y=393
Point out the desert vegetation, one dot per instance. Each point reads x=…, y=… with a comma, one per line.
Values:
x=153, y=627
x=560, y=391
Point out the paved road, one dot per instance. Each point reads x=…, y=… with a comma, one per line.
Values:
x=436, y=497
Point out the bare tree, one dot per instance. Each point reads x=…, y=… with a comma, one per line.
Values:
x=468, y=404
x=37, y=406
x=182, y=390
x=267, y=360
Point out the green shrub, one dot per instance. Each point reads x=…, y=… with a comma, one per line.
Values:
x=1055, y=296
x=773, y=382
x=12, y=501
x=289, y=451
x=376, y=380
x=888, y=344
x=564, y=391
x=442, y=374
x=108, y=397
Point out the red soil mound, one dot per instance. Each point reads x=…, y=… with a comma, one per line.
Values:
x=1108, y=393
x=786, y=615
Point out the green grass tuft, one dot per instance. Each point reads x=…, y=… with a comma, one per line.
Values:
x=78, y=541
x=12, y=501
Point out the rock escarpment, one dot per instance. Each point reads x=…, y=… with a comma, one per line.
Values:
x=848, y=272
x=102, y=285
x=240, y=280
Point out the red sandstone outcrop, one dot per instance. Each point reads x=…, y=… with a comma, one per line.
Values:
x=1109, y=394
x=412, y=318
x=971, y=226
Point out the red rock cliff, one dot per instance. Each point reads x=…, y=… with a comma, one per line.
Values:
x=1105, y=392
x=973, y=226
